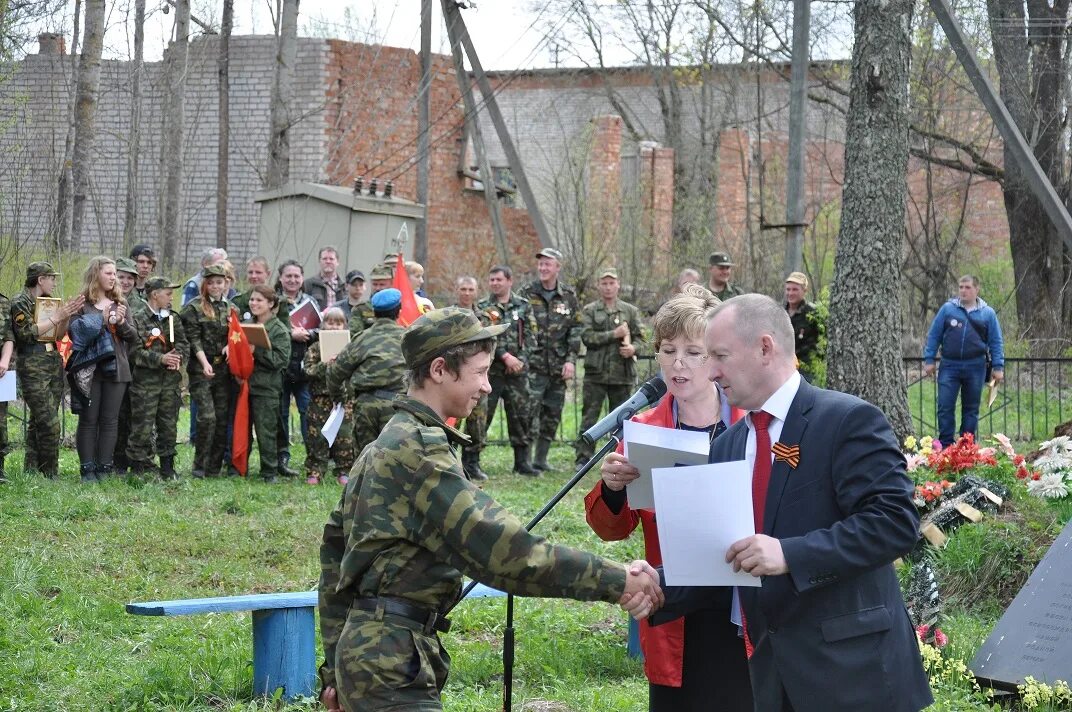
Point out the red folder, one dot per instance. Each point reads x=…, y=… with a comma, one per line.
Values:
x=306, y=316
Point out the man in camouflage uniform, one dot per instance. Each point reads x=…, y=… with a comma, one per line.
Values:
x=554, y=355
x=40, y=367
x=158, y=361
x=476, y=424
x=321, y=403
x=7, y=337
x=509, y=372
x=361, y=316
x=370, y=370
x=127, y=276
x=611, y=332
x=409, y=524
x=720, y=269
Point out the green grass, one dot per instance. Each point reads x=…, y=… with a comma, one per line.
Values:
x=73, y=556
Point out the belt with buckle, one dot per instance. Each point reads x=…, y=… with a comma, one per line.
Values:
x=217, y=360
x=430, y=620
x=37, y=348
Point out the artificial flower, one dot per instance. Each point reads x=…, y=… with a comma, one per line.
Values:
x=1049, y=486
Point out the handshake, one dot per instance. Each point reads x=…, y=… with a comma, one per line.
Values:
x=642, y=596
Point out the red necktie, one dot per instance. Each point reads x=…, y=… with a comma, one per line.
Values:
x=761, y=468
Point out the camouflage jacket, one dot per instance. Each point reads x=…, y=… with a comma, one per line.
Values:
x=155, y=340
x=558, y=327
x=269, y=364
x=316, y=370
x=371, y=361
x=520, y=339
x=21, y=313
x=241, y=303
x=6, y=332
x=208, y=334
x=409, y=524
x=602, y=364
x=361, y=317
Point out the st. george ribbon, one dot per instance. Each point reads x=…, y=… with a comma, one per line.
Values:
x=650, y=392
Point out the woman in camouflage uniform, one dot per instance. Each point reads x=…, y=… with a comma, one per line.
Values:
x=204, y=320
x=266, y=382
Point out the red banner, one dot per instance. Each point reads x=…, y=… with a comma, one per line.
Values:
x=410, y=310
x=240, y=361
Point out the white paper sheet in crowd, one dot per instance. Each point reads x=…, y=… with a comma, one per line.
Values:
x=649, y=446
x=702, y=510
x=331, y=426
x=7, y=387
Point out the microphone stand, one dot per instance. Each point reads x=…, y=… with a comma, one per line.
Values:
x=508, y=634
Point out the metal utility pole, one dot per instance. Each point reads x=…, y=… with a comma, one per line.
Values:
x=487, y=179
x=798, y=107
x=424, y=99
x=459, y=34
x=1014, y=140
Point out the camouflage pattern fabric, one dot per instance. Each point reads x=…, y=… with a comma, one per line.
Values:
x=6, y=334
x=558, y=341
x=156, y=390
x=265, y=392
x=208, y=334
x=361, y=317
x=728, y=292
x=476, y=426
x=371, y=413
x=41, y=387
x=408, y=525
x=241, y=303
x=594, y=395
x=342, y=451
x=547, y=398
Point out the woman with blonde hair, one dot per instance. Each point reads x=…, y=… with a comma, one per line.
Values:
x=99, y=367
x=689, y=659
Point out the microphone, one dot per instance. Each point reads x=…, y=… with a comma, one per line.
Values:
x=649, y=393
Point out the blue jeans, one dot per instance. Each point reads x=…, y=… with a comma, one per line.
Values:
x=965, y=377
x=302, y=396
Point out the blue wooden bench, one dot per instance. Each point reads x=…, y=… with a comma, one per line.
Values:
x=284, y=634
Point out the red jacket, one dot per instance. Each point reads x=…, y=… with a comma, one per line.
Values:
x=664, y=645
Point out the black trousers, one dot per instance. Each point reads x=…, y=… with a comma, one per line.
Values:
x=98, y=424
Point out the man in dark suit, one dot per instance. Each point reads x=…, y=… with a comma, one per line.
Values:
x=828, y=627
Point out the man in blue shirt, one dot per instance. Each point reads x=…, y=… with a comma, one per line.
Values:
x=967, y=331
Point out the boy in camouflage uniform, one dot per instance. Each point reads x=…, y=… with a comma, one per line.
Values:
x=320, y=406
x=370, y=370
x=158, y=360
x=40, y=367
x=409, y=524
x=361, y=315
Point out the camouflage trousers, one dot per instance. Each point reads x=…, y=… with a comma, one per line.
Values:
x=372, y=410
x=122, y=435
x=342, y=451
x=211, y=397
x=389, y=665
x=513, y=391
x=41, y=384
x=594, y=395
x=476, y=425
x=547, y=396
x=264, y=417
x=158, y=396
x=5, y=444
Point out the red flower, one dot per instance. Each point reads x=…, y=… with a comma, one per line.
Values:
x=1021, y=472
x=1036, y=476
x=1018, y=460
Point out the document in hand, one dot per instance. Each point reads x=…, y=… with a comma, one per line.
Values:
x=649, y=446
x=702, y=511
x=306, y=316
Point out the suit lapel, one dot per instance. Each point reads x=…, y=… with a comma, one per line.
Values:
x=793, y=429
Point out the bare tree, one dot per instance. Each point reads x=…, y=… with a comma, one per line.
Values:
x=175, y=126
x=223, y=151
x=130, y=213
x=64, y=184
x=286, y=57
x=864, y=350
x=86, y=114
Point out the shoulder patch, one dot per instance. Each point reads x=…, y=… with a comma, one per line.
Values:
x=20, y=317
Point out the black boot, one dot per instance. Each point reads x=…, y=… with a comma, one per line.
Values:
x=539, y=462
x=284, y=467
x=121, y=463
x=167, y=467
x=3, y=478
x=521, y=461
x=105, y=469
x=471, y=464
x=89, y=473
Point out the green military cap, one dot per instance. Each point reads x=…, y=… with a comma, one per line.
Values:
x=125, y=264
x=214, y=271
x=720, y=259
x=155, y=283
x=440, y=329
x=550, y=252
x=609, y=272
x=798, y=278
x=381, y=272
x=40, y=269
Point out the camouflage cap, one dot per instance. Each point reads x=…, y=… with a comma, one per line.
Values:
x=440, y=329
x=381, y=272
x=608, y=272
x=125, y=264
x=798, y=278
x=550, y=252
x=214, y=271
x=40, y=269
x=720, y=259
x=154, y=283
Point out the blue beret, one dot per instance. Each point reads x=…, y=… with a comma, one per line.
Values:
x=386, y=299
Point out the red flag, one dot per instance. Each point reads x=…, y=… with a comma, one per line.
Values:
x=410, y=310
x=64, y=346
x=240, y=361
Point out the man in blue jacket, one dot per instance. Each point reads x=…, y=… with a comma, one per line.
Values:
x=967, y=331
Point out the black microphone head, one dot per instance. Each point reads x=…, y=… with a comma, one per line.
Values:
x=655, y=388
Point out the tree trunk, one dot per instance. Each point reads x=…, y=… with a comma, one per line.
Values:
x=286, y=57
x=864, y=355
x=85, y=115
x=130, y=213
x=223, y=68
x=1029, y=55
x=62, y=232
x=176, y=125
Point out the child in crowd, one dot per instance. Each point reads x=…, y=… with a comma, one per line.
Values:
x=341, y=450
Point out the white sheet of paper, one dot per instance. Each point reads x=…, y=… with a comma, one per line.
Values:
x=331, y=426
x=7, y=387
x=702, y=510
x=650, y=446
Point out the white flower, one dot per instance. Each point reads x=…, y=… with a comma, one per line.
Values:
x=1050, y=486
x=1053, y=463
x=1061, y=444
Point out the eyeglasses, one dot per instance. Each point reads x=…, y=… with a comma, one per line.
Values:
x=688, y=361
